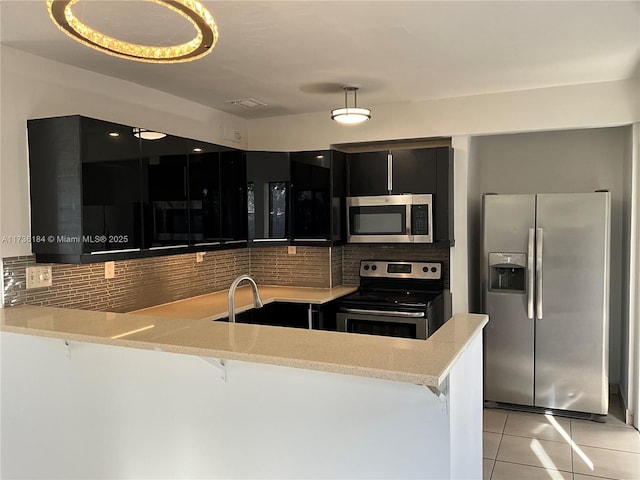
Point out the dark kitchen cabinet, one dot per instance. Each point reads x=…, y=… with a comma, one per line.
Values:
x=111, y=202
x=268, y=203
x=443, y=198
x=204, y=195
x=392, y=172
x=196, y=194
x=317, y=196
x=165, y=192
x=233, y=197
x=414, y=171
x=84, y=185
x=217, y=195
x=367, y=174
x=99, y=193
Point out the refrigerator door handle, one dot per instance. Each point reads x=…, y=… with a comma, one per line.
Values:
x=530, y=273
x=539, y=273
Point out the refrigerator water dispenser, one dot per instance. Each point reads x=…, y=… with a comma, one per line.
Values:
x=508, y=272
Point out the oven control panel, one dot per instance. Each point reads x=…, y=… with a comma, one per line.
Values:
x=391, y=269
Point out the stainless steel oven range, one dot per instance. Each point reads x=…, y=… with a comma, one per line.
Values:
x=397, y=299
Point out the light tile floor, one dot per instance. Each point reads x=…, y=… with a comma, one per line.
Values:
x=530, y=446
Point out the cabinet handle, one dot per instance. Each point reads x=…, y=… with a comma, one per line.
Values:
x=124, y=250
x=184, y=180
x=167, y=247
x=389, y=171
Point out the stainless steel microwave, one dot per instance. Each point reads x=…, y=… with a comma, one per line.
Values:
x=390, y=219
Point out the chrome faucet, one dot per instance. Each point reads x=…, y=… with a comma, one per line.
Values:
x=257, y=301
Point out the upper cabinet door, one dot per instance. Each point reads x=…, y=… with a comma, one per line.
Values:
x=233, y=199
x=55, y=184
x=311, y=196
x=368, y=174
x=443, y=200
x=165, y=191
x=111, y=195
x=392, y=172
x=338, y=197
x=204, y=194
x=414, y=171
x=268, y=196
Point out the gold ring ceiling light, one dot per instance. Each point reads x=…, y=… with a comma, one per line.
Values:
x=205, y=26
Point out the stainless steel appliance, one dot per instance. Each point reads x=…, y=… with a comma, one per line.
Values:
x=390, y=219
x=398, y=299
x=546, y=291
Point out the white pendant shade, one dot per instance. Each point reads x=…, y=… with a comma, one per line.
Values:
x=147, y=134
x=350, y=115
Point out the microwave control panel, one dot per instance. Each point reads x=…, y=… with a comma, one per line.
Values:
x=420, y=219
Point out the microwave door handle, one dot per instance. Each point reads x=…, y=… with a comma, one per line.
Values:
x=389, y=171
x=530, y=273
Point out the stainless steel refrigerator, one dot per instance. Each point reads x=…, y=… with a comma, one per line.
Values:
x=546, y=291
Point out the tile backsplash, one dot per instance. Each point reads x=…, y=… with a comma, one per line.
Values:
x=137, y=283
x=146, y=282
x=308, y=267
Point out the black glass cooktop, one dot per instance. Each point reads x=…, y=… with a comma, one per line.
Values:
x=386, y=299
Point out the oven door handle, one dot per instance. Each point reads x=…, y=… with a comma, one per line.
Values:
x=385, y=312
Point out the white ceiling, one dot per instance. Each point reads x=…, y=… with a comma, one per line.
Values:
x=296, y=55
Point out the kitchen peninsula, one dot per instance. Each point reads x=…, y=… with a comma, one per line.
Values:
x=95, y=394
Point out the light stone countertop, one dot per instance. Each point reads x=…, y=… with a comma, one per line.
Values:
x=424, y=362
x=214, y=306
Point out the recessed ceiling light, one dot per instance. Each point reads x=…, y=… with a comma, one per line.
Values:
x=247, y=103
x=114, y=134
x=319, y=156
x=197, y=149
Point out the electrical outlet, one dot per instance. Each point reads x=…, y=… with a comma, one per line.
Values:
x=200, y=257
x=109, y=270
x=39, y=277
x=291, y=250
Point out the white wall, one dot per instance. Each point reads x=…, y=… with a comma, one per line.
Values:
x=627, y=269
x=633, y=391
x=577, y=106
x=474, y=226
x=33, y=87
x=459, y=266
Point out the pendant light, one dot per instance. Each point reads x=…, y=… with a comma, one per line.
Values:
x=350, y=115
x=145, y=134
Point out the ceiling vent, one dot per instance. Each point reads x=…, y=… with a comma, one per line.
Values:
x=247, y=103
